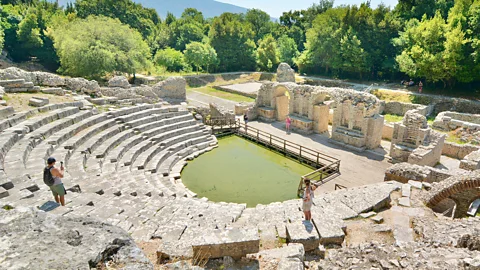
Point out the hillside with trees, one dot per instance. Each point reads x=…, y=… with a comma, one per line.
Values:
x=437, y=42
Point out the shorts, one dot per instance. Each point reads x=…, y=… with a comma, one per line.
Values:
x=307, y=206
x=58, y=190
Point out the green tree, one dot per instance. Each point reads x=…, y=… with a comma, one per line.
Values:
x=259, y=22
x=95, y=46
x=185, y=32
x=171, y=59
x=1, y=38
x=428, y=51
x=200, y=55
x=231, y=39
x=287, y=50
x=267, y=53
x=128, y=12
x=352, y=53
x=192, y=14
x=323, y=42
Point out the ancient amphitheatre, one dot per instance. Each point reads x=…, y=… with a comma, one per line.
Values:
x=405, y=193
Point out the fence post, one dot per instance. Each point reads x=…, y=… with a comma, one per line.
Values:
x=270, y=139
x=284, y=147
x=300, y=151
x=258, y=135
x=318, y=157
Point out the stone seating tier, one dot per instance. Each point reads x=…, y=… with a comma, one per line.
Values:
x=152, y=202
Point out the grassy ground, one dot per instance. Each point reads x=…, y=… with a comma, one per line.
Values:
x=389, y=95
x=19, y=101
x=392, y=118
x=221, y=94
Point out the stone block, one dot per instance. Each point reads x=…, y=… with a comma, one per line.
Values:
x=330, y=233
x=367, y=215
x=415, y=184
x=381, y=228
x=6, y=112
x=404, y=201
x=304, y=233
x=285, y=73
x=233, y=242
x=406, y=190
x=3, y=192
x=377, y=219
x=38, y=102
x=54, y=91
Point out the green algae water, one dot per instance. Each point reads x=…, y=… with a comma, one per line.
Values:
x=240, y=171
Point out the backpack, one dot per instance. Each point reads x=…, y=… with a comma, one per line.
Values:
x=48, y=177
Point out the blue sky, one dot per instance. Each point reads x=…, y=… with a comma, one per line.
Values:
x=276, y=7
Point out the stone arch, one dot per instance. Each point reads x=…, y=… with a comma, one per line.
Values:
x=463, y=189
x=319, y=112
x=281, y=101
x=446, y=207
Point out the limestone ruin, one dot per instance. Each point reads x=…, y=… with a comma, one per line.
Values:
x=285, y=73
x=356, y=120
x=416, y=143
x=124, y=185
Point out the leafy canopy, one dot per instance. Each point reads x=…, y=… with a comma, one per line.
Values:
x=95, y=46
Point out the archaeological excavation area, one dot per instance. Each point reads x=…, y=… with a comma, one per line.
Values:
x=390, y=195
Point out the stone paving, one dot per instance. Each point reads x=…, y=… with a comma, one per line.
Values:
x=248, y=88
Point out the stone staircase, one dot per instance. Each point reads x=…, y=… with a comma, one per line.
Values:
x=123, y=167
x=18, y=85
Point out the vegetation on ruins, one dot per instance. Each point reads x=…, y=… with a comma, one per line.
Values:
x=434, y=41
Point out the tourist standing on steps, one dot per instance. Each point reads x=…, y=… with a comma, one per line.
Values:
x=245, y=118
x=308, y=196
x=288, y=121
x=53, y=178
x=420, y=87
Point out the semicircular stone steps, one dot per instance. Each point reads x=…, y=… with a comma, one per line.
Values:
x=123, y=167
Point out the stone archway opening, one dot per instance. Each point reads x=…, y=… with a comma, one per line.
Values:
x=446, y=207
x=474, y=208
x=282, y=102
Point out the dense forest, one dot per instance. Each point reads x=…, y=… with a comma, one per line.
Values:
x=433, y=40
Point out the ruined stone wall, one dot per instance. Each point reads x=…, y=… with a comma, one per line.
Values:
x=387, y=131
x=458, y=151
x=471, y=162
x=403, y=172
x=400, y=108
x=453, y=120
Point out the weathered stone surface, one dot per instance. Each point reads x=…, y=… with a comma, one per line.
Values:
x=6, y=111
x=38, y=102
x=406, y=190
x=414, y=142
x=171, y=88
x=82, y=85
x=377, y=219
x=119, y=81
x=367, y=215
x=471, y=162
x=404, y=201
x=415, y=184
x=33, y=239
x=49, y=79
x=233, y=242
x=54, y=91
x=304, y=233
x=285, y=73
